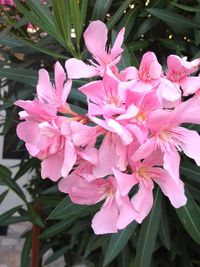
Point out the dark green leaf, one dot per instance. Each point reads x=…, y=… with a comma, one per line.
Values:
x=177, y=22
x=8, y=214
x=26, y=76
x=118, y=241
x=3, y=195
x=66, y=209
x=100, y=9
x=148, y=233
x=57, y=254
x=189, y=216
x=118, y=14
x=56, y=228
x=25, y=254
x=186, y=8
x=6, y=179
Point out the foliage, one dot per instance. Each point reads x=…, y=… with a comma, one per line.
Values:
x=168, y=237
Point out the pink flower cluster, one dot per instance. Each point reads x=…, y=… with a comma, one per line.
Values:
x=136, y=116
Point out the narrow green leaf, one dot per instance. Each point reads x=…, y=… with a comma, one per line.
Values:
x=34, y=216
x=186, y=8
x=95, y=242
x=148, y=233
x=6, y=215
x=39, y=17
x=3, y=195
x=177, y=22
x=66, y=209
x=100, y=9
x=26, y=76
x=42, y=49
x=57, y=254
x=25, y=254
x=5, y=173
x=63, y=19
x=118, y=14
x=56, y=228
x=164, y=228
x=14, y=219
x=118, y=241
x=189, y=216
x=190, y=170
x=145, y=26
x=6, y=179
x=76, y=19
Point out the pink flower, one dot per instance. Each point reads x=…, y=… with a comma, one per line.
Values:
x=105, y=97
x=144, y=174
x=116, y=212
x=55, y=96
x=95, y=38
x=178, y=72
x=167, y=135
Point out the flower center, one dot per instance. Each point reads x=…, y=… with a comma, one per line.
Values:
x=141, y=116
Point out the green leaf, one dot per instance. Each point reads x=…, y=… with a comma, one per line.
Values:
x=164, y=228
x=56, y=228
x=3, y=195
x=5, y=173
x=186, y=8
x=6, y=215
x=14, y=219
x=118, y=14
x=95, y=242
x=177, y=22
x=189, y=216
x=34, y=216
x=25, y=254
x=145, y=26
x=57, y=254
x=63, y=20
x=190, y=170
x=26, y=76
x=117, y=242
x=66, y=209
x=6, y=179
x=148, y=233
x=41, y=16
x=100, y=9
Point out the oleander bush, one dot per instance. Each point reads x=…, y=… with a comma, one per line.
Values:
x=37, y=34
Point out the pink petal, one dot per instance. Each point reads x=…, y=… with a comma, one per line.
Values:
x=145, y=150
x=94, y=91
x=69, y=158
x=120, y=130
x=65, y=92
x=173, y=190
x=171, y=163
x=155, y=70
x=51, y=167
x=129, y=73
x=86, y=193
x=116, y=49
x=28, y=131
x=190, y=85
x=191, y=144
x=142, y=202
x=126, y=212
x=107, y=157
x=95, y=38
x=77, y=69
x=105, y=221
x=171, y=95
x=125, y=181
x=59, y=78
x=187, y=111
x=45, y=91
